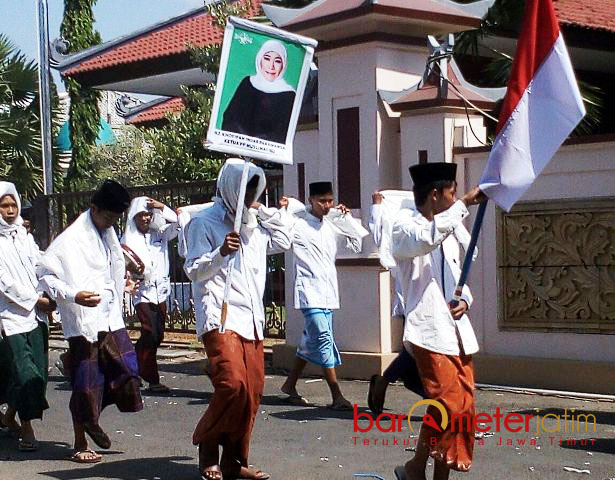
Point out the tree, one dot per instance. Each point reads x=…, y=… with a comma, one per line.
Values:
x=78, y=30
x=20, y=134
x=127, y=161
x=506, y=17
x=177, y=151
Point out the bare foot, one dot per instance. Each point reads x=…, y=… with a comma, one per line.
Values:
x=245, y=473
x=288, y=390
x=212, y=472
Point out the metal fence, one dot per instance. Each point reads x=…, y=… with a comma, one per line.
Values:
x=52, y=213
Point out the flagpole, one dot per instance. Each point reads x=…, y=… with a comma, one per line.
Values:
x=236, y=227
x=467, y=262
x=45, y=95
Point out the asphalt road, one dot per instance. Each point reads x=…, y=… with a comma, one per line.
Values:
x=306, y=443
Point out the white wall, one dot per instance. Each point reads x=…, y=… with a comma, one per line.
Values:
x=577, y=171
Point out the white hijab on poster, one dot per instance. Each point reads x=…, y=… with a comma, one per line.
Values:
x=259, y=81
x=7, y=188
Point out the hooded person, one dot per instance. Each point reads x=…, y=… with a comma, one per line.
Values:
x=262, y=105
x=319, y=233
x=150, y=225
x=426, y=250
x=23, y=331
x=236, y=362
x=84, y=271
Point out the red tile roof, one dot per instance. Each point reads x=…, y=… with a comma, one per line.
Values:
x=157, y=112
x=173, y=38
x=593, y=14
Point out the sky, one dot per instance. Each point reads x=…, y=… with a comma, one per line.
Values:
x=114, y=18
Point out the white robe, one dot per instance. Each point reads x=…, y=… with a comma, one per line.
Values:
x=18, y=283
x=80, y=259
x=417, y=247
x=153, y=249
x=264, y=231
x=315, y=244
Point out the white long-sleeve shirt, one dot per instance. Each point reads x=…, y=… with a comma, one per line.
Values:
x=315, y=246
x=418, y=246
x=207, y=268
x=81, y=259
x=156, y=287
x=18, y=283
x=375, y=226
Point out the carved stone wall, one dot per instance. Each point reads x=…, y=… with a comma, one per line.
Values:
x=556, y=266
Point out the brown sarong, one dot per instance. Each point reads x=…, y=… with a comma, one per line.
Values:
x=237, y=371
x=449, y=379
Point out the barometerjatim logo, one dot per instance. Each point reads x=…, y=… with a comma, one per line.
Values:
x=428, y=419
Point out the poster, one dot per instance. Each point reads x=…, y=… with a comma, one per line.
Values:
x=259, y=91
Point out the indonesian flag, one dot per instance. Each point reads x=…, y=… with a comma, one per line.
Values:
x=542, y=106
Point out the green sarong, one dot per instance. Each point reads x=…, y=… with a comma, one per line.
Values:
x=26, y=354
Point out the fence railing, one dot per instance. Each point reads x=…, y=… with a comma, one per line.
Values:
x=53, y=213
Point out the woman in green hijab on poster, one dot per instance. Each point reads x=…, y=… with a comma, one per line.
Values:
x=261, y=106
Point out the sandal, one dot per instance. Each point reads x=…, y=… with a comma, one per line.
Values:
x=212, y=472
x=98, y=435
x=27, y=445
x=246, y=473
x=86, y=456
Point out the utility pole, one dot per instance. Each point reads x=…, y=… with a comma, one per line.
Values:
x=45, y=94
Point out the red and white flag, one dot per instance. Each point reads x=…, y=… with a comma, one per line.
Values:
x=542, y=107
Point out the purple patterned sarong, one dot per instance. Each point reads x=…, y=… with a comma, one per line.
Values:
x=103, y=373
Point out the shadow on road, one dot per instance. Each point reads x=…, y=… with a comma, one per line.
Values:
x=163, y=468
x=47, y=451
x=602, y=445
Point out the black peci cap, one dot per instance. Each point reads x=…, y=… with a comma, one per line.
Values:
x=426, y=173
x=320, y=188
x=111, y=196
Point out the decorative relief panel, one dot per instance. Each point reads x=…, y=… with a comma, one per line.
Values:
x=556, y=266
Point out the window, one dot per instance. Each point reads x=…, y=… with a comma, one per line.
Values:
x=348, y=157
x=301, y=181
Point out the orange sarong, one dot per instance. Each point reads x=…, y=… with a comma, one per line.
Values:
x=449, y=379
x=237, y=371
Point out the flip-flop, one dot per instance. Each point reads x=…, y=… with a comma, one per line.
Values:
x=400, y=472
x=215, y=469
x=27, y=445
x=78, y=457
x=298, y=400
x=255, y=474
x=98, y=435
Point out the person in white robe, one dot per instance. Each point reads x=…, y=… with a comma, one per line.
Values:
x=23, y=331
x=150, y=226
x=385, y=207
x=319, y=232
x=236, y=359
x=83, y=270
x=437, y=332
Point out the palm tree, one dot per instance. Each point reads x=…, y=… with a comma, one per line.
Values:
x=20, y=137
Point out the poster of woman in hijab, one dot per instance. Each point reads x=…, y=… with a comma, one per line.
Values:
x=259, y=92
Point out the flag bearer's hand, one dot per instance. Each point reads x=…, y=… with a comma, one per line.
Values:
x=231, y=244
x=474, y=197
x=458, y=311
